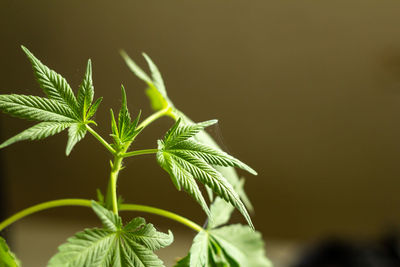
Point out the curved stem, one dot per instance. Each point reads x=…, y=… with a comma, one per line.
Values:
x=140, y=152
x=98, y=137
x=163, y=213
x=154, y=116
x=44, y=206
x=88, y=203
x=116, y=167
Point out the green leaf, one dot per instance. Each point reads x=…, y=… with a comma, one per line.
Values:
x=159, y=100
x=182, y=178
x=241, y=244
x=116, y=246
x=212, y=155
x=7, y=258
x=110, y=220
x=86, y=91
x=177, y=161
x=52, y=83
x=181, y=132
x=76, y=132
x=37, y=132
x=156, y=76
x=125, y=130
x=230, y=246
x=35, y=108
x=147, y=235
x=156, y=88
x=92, y=110
x=199, y=250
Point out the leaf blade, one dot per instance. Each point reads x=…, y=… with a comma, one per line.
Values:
x=37, y=132
x=53, y=84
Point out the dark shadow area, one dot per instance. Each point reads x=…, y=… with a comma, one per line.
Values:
x=336, y=252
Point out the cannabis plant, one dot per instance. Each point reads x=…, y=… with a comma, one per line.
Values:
x=187, y=153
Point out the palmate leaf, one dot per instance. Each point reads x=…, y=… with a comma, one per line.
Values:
x=61, y=110
x=7, y=258
x=230, y=246
x=159, y=100
x=125, y=130
x=35, y=108
x=178, y=155
x=52, y=83
x=114, y=245
x=37, y=132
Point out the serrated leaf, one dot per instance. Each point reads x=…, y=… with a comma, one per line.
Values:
x=230, y=246
x=172, y=156
x=181, y=132
x=199, y=250
x=212, y=155
x=7, y=258
x=182, y=178
x=76, y=132
x=52, y=83
x=242, y=244
x=110, y=220
x=125, y=130
x=37, y=132
x=86, y=91
x=124, y=118
x=93, y=108
x=35, y=108
x=159, y=100
x=221, y=210
x=147, y=235
x=130, y=246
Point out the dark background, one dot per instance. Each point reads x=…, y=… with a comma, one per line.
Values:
x=306, y=92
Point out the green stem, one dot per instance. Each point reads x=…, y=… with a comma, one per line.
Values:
x=44, y=206
x=98, y=137
x=163, y=213
x=154, y=116
x=140, y=152
x=88, y=203
x=113, y=181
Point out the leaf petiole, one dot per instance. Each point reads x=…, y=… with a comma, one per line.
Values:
x=140, y=152
x=102, y=141
x=88, y=203
x=154, y=117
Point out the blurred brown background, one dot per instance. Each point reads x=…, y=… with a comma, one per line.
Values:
x=306, y=92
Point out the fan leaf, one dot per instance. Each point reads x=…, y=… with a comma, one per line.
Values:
x=178, y=162
x=52, y=83
x=37, y=132
x=35, y=108
x=116, y=246
x=76, y=132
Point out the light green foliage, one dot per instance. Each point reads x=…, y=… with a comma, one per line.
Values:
x=125, y=131
x=185, y=160
x=7, y=258
x=231, y=246
x=59, y=111
x=187, y=153
x=113, y=245
x=159, y=100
